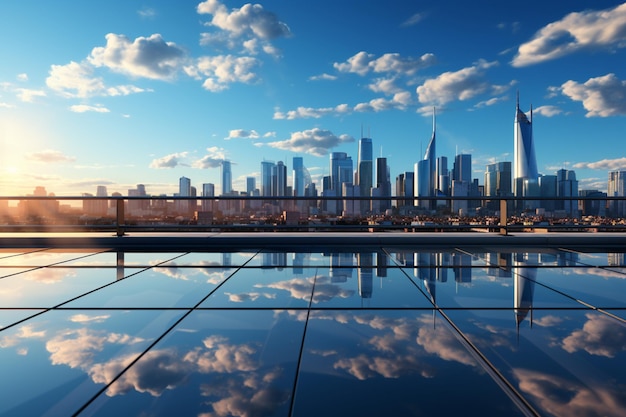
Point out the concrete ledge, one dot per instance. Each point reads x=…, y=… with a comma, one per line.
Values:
x=303, y=241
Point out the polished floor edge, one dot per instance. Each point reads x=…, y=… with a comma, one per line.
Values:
x=287, y=240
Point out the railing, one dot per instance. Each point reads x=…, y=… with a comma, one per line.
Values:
x=245, y=213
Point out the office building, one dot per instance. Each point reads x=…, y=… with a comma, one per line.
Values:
x=525, y=174
x=567, y=186
x=617, y=188
x=383, y=183
x=227, y=178
x=341, y=171
x=279, y=179
x=266, y=178
x=498, y=182
x=364, y=171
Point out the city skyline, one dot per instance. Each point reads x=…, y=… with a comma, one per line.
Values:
x=150, y=93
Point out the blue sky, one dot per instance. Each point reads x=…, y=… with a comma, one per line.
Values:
x=120, y=93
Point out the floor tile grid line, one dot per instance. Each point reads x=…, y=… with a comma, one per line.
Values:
x=36, y=267
x=80, y=296
x=504, y=384
x=579, y=301
x=156, y=341
x=409, y=276
x=297, y=371
x=23, y=253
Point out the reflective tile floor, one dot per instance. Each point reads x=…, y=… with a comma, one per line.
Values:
x=375, y=333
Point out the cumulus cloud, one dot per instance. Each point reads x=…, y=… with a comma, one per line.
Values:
x=249, y=19
x=213, y=159
x=50, y=156
x=247, y=134
x=28, y=95
x=150, y=57
x=362, y=63
x=601, y=96
x=22, y=77
x=169, y=161
x=78, y=80
x=576, y=31
x=83, y=108
x=251, y=27
x=222, y=70
x=311, y=112
x=399, y=101
x=548, y=111
x=463, y=84
x=604, y=164
x=314, y=141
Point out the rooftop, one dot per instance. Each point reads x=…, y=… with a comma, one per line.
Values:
x=297, y=324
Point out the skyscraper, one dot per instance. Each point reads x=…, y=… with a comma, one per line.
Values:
x=208, y=190
x=227, y=178
x=498, y=182
x=250, y=185
x=266, y=178
x=279, y=179
x=567, y=186
x=617, y=188
x=340, y=171
x=525, y=162
x=364, y=171
x=298, y=176
x=383, y=183
x=426, y=173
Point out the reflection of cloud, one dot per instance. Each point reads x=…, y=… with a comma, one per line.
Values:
x=600, y=335
x=561, y=397
x=83, y=318
x=23, y=332
x=49, y=275
x=76, y=348
x=300, y=288
x=364, y=366
x=548, y=321
x=157, y=371
x=222, y=357
x=248, y=296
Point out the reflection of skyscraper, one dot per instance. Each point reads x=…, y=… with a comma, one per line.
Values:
x=341, y=266
x=366, y=274
x=525, y=274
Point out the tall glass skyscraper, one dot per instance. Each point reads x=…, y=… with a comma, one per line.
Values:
x=266, y=178
x=525, y=165
x=364, y=171
x=227, y=178
x=298, y=176
x=617, y=188
x=425, y=172
x=340, y=171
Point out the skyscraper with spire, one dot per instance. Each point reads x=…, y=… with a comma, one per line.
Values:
x=525, y=172
x=426, y=172
x=364, y=171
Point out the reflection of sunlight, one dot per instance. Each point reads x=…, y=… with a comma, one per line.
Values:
x=561, y=397
x=600, y=335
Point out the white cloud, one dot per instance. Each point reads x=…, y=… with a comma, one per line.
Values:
x=576, y=31
x=463, y=84
x=490, y=102
x=413, y=20
x=251, y=19
x=601, y=96
x=363, y=63
x=50, y=156
x=22, y=77
x=83, y=108
x=169, y=161
x=150, y=57
x=323, y=76
x=313, y=141
x=222, y=70
x=247, y=134
x=6, y=105
x=605, y=164
x=213, y=159
x=548, y=111
x=399, y=101
x=28, y=95
x=310, y=112
x=601, y=335
x=147, y=13
x=74, y=80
